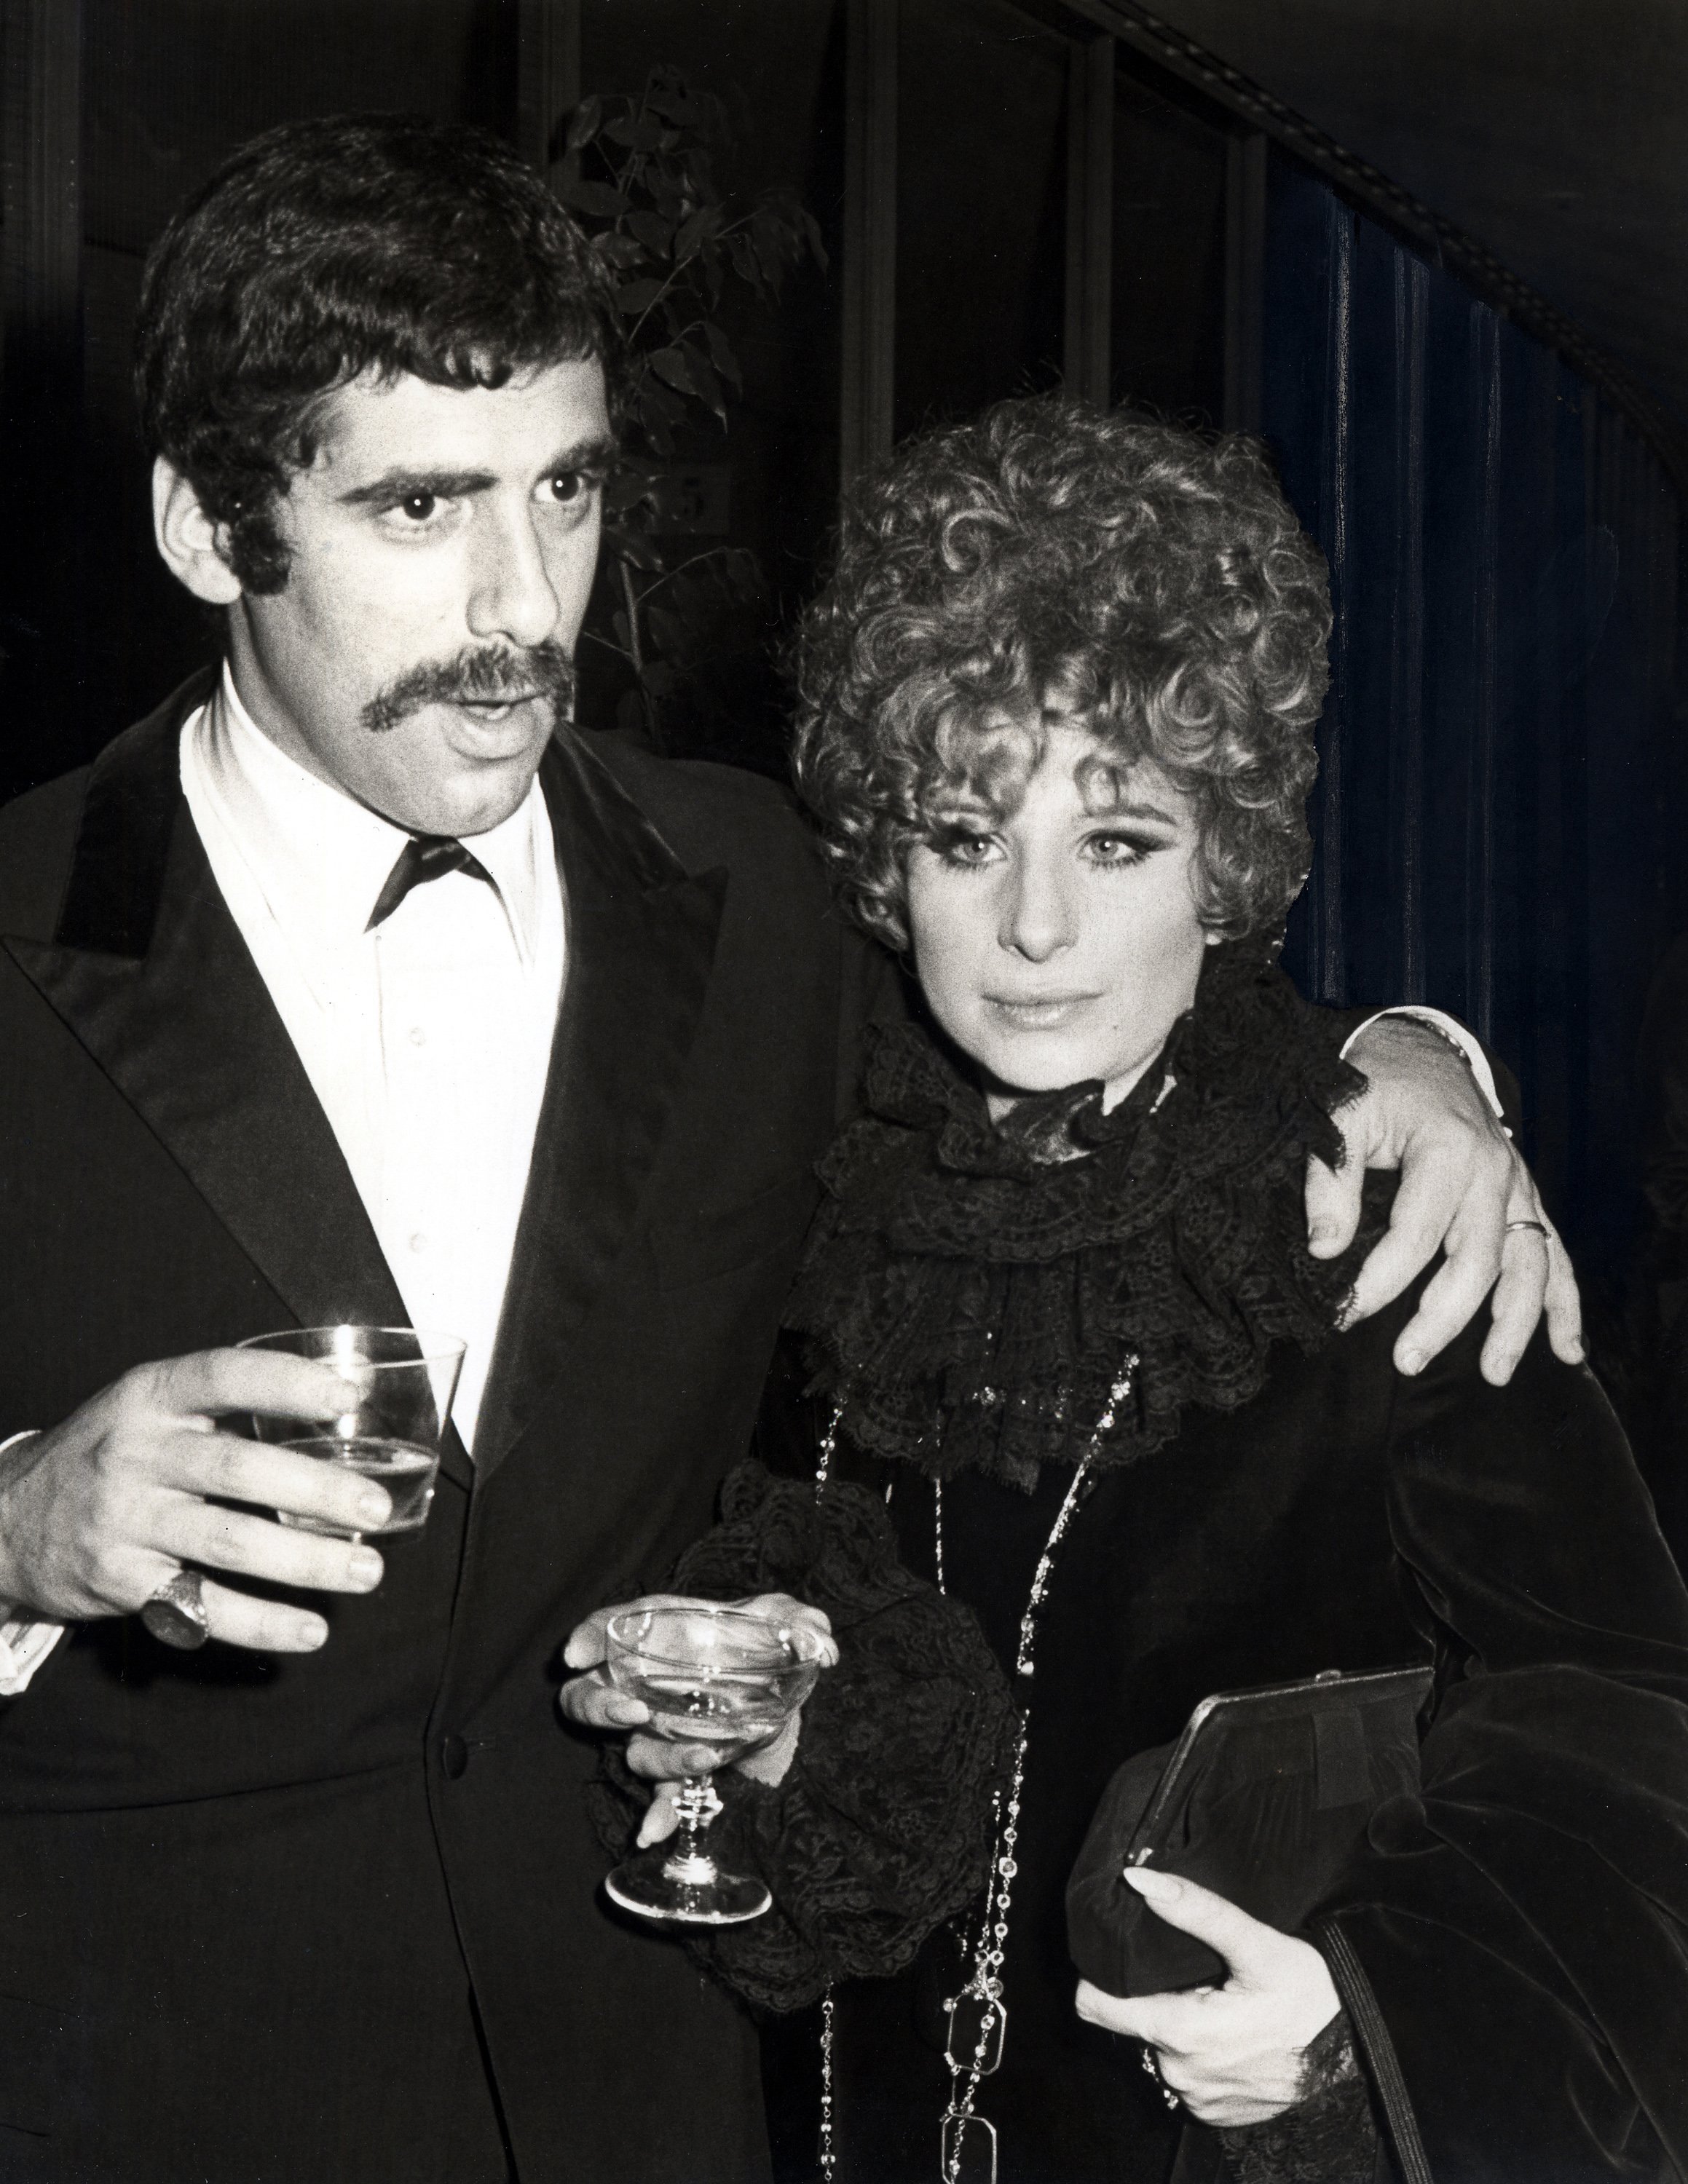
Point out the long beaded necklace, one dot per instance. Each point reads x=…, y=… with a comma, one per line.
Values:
x=978, y=2010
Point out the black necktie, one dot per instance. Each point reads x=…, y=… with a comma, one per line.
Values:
x=424, y=857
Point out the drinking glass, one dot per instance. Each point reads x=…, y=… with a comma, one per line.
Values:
x=720, y=1676
x=405, y=1378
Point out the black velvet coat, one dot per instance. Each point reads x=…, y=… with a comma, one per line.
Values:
x=285, y=1918
x=1512, y=1945
x=1516, y=1944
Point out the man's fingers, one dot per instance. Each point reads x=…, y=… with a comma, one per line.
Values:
x=265, y=1626
x=1517, y=1304
x=1564, y=1303
x=272, y=1477
x=1332, y=1197
x=1418, y=1223
x=210, y=1382
x=1439, y=1205
x=256, y=1547
x=1254, y=1950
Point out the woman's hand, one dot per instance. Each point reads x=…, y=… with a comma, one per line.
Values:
x=1462, y=1183
x=591, y=1700
x=1233, y=2054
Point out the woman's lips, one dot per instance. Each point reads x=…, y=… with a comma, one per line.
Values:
x=1046, y=1013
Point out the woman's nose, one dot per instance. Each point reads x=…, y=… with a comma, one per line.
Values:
x=1037, y=919
x=511, y=594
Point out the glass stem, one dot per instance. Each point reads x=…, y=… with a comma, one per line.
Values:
x=696, y=1805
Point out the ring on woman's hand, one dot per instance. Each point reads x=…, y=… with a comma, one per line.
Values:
x=1540, y=1227
x=176, y=1613
x=1151, y=2062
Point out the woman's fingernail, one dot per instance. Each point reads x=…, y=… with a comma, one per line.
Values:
x=1321, y=1233
x=628, y=1713
x=1158, y=1887
x=363, y=1568
x=1413, y=1362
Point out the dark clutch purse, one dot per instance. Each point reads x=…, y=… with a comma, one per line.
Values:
x=1261, y=1800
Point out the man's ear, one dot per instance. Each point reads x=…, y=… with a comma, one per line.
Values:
x=191, y=545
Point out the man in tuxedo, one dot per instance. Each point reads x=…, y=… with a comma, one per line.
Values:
x=354, y=985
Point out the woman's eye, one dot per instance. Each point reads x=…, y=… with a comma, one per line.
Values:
x=959, y=848
x=568, y=486
x=1118, y=849
x=419, y=506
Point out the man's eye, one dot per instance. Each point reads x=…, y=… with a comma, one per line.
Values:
x=419, y=506
x=567, y=485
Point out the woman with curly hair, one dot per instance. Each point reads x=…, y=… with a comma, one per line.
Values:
x=1080, y=1373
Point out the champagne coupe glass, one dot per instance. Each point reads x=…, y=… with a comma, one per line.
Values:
x=722, y=1677
x=405, y=1381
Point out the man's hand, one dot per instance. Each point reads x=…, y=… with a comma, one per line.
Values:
x=592, y=1702
x=98, y=1514
x=1232, y=2053
x=1463, y=1181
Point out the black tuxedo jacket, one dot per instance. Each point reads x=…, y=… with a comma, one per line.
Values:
x=282, y=1918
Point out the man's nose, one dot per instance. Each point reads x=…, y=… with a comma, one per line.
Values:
x=510, y=593
x=1037, y=920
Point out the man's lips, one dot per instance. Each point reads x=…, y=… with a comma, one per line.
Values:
x=496, y=707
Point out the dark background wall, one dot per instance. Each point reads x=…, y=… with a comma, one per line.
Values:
x=1017, y=194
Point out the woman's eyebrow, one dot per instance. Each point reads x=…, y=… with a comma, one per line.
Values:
x=1128, y=808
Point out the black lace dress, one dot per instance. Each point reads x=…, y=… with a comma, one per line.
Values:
x=1272, y=1500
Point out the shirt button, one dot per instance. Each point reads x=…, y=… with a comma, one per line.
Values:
x=454, y=1758
x=419, y=1241
x=418, y=1036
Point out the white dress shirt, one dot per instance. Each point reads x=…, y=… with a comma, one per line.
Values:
x=427, y=1041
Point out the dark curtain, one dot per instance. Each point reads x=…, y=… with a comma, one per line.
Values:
x=1496, y=821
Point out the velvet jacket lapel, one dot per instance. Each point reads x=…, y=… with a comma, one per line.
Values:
x=149, y=970
x=641, y=935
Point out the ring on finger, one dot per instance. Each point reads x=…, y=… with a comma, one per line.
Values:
x=176, y=1613
x=1540, y=1228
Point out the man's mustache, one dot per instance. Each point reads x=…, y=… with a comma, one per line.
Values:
x=498, y=675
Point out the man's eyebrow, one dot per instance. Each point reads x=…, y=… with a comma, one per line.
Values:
x=402, y=482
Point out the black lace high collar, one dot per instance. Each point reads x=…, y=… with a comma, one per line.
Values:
x=971, y=1290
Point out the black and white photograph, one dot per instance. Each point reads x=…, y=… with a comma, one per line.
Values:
x=843, y=1092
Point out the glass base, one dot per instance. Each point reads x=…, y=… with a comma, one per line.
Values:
x=666, y=1884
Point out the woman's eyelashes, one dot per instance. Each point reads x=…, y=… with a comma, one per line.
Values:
x=966, y=848
x=1112, y=847
x=971, y=848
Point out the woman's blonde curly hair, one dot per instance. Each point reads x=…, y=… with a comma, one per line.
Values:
x=1048, y=563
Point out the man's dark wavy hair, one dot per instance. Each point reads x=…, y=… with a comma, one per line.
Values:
x=328, y=249
x=1046, y=564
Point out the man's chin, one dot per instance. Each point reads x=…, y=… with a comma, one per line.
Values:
x=484, y=770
